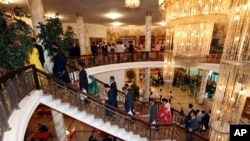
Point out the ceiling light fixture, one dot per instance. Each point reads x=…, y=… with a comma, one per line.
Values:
x=116, y=24
x=132, y=3
x=162, y=23
x=113, y=16
x=6, y=1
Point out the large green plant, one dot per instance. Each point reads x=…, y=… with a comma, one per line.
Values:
x=130, y=75
x=52, y=31
x=15, y=40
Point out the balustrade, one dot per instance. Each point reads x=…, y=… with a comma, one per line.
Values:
x=18, y=84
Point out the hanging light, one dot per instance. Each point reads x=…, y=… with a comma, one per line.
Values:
x=132, y=3
x=192, y=43
x=234, y=79
x=193, y=23
x=6, y=1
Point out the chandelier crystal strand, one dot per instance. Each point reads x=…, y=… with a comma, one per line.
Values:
x=169, y=66
x=238, y=37
x=233, y=85
x=193, y=22
x=132, y=3
x=192, y=43
x=187, y=8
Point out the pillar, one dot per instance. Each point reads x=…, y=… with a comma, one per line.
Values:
x=59, y=125
x=37, y=15
x=203, y=86
x=81, y=32
x=146, y=84
x=148, y=31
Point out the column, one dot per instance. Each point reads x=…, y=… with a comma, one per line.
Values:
x=203, y=86
x=233, y=85
x=146, y=84
x=59, y=125
x=81, y=32
x=148, y=33
x=37, y=15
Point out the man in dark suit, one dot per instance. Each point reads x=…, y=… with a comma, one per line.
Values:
x=74, y=50
x=40, y=51
x=192, y=125
x=83, y=79
x=109, y=99
x=131, y=50
x=113, y=86
x=94, y=50
x=190, y=106
x=128, y=101
x=153, y=112
x=60, y=60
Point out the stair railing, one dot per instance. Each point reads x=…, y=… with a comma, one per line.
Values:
x=94, y=106
x=18, y=84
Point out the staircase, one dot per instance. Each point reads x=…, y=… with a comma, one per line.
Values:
x=22, y=96
x=89, y=119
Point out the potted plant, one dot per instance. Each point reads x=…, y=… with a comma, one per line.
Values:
x=52, y=31
x=130, y=75
x=15, y=40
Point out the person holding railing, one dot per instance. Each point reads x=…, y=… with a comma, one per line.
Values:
x=193, y=125
x=83, y=80
x=128, y=101
x=110, y=99
x=113, y=87
x=153, y=112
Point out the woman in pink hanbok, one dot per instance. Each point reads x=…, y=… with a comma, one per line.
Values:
x=164, y=114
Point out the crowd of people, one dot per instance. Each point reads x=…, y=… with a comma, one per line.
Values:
x=196, y=121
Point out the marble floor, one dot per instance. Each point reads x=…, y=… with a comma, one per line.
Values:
x=83, y=131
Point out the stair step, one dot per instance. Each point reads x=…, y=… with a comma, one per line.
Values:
x=90, y=119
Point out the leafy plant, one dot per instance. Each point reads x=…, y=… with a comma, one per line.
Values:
x=130, y=75
x=135, y=91
x=15, y=40
x=52, y=31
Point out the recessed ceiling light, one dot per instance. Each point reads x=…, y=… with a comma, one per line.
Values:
x=162, y=23
x=54, y=15
x=113, y=16
x=116, y=23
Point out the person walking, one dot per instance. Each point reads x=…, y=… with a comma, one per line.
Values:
x=83, y=79
x=40, y=51
x=128, y=101
x=164, y=113
x=153, y=112
x=193, y=125
x=113, y=87
x=59, y=68
x=109, y=99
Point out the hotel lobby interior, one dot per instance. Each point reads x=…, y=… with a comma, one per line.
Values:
x=204, y=59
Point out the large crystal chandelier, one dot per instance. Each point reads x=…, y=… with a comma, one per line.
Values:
x=233, y=85
x=193, y=22
x=192, y=41
x=132, y=3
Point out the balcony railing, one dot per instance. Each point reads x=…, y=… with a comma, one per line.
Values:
x=91, y=60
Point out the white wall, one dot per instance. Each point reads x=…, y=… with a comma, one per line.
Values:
x=118, y=74
x=91, y=30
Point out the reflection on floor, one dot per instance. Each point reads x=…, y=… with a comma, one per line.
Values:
x=83, y=131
